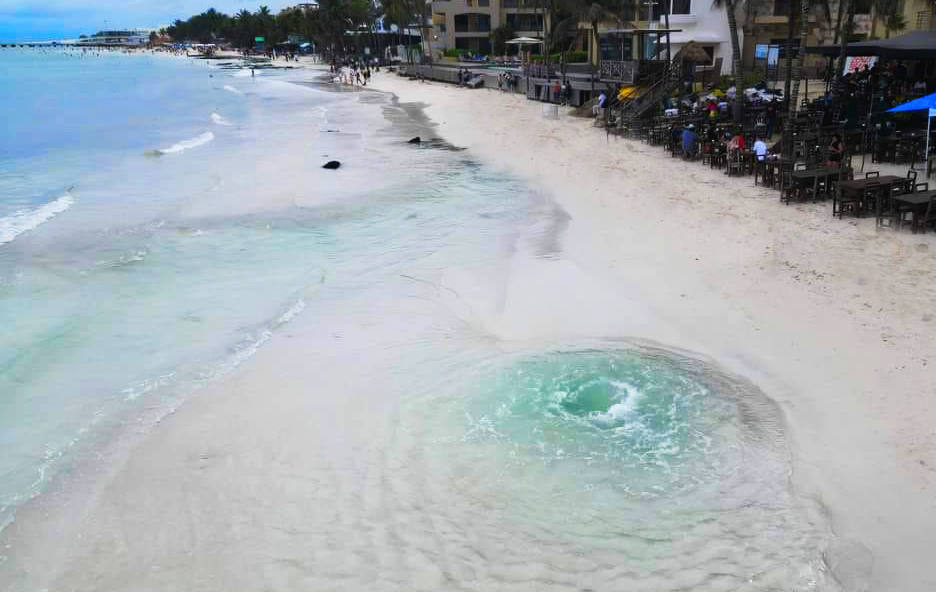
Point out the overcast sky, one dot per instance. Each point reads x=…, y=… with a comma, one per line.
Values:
x=36, y=20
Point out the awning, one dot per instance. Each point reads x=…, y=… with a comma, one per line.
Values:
x=927, y=103
x=523, y=41
x=916, y=45
x=639, y=31
x=697, y=36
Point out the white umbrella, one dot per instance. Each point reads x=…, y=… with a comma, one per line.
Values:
x=523, y=41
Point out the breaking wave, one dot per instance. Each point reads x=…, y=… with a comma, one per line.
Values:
x=185, y=144
x=25, y=220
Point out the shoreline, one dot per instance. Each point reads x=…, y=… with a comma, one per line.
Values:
x=650, y=249
x=771, y=292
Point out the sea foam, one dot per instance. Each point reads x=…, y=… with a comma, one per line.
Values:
x=16, y=224
x=186, y=144
x=230, y=88
x=218, y=119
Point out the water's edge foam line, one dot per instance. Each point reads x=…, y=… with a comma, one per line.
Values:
x=25, y=220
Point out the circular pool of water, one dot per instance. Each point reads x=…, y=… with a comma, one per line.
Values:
x=660, y=470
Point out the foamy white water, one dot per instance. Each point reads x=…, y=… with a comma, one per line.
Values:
x=230, y=88
x=199, y=140
x=23, y=221
x=218, y=119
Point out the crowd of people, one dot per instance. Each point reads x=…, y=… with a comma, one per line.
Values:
x=507, y=81
x=353, y=72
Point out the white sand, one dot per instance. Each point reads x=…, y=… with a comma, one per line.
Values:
x=834, y=319
x=831, y=318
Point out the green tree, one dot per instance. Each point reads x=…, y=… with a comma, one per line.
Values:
x=499, y=38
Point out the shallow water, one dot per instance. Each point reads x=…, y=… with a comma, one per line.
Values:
x=501, y=466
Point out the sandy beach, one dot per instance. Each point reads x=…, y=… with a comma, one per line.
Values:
x=833, y=318
x=245, y=486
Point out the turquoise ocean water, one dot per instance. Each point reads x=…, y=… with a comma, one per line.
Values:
x=161, y=220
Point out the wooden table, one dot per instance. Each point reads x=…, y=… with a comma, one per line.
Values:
x=917, y=202
x=802, y=178
x=856, y=187
x=775, y=168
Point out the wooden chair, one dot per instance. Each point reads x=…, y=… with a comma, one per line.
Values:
x=707, y=152
x=787, y=188
x=906, y=216
x=911, y=179
x=885, y=212
x=735, y=163
x=929, y=218
x=869, y=200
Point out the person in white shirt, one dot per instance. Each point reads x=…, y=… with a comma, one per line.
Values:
x=760, y=149
x=597, y=107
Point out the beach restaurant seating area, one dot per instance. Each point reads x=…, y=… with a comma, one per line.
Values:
x=818, y=167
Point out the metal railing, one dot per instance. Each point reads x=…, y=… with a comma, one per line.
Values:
x=539, y=70
x=622, y=71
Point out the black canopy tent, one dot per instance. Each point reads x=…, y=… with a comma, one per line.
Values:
x=916, y=45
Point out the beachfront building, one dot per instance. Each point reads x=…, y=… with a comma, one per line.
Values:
x=911, y=15
x=766, y=30
x=467, y=24
x=701, y=21
x=119, y=38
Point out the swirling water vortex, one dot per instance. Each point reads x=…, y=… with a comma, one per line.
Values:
x=658, y=471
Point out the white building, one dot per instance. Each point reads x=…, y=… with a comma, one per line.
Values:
x=701, y=21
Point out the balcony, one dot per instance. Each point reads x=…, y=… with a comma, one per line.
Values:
x=682, y=20
x=622, y=71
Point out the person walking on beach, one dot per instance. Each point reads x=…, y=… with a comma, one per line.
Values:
x=557, y=90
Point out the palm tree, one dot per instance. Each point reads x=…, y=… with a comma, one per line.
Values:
x=847, y=26
x=592, y=12
x=798, y=63
x=243, y=23
x=731, y=7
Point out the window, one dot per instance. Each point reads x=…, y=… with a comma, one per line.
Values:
x=671, y=7
x=525, y=22
x=472, y=22
x=615, y=47
x=480, y=45
x=484, y=3
x=781, y=43
x=710, y=51
x=862, y=6
x=682, y=7
x=781, y=7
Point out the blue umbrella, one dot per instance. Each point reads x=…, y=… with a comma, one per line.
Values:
x=928, y=104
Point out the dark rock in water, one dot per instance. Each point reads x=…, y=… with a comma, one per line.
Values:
x=415, y=140
x=331, y=164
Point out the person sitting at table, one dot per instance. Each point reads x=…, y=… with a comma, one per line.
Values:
x=689, y=141
x=760, y=150
x=836, y=149
x=733, y=143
